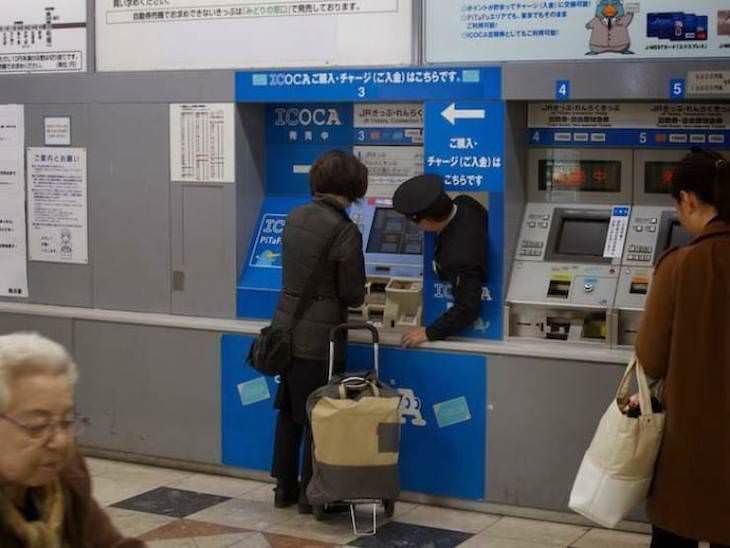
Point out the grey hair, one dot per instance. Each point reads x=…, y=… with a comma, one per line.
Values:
x=26, y=353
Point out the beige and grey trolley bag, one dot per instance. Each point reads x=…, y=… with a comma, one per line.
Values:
x=355, y=422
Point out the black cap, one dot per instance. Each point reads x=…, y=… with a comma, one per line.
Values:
x=422, y=196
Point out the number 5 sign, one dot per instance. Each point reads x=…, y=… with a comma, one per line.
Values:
x=676, y=89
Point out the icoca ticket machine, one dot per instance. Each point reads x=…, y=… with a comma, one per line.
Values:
x=653, y=229
x=568, y=256
x=393, y=248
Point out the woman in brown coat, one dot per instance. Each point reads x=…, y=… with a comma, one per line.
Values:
x=45, y=490
x=685, y=339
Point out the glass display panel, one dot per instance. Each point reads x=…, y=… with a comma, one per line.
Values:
x=392, y=233
x=581, y=175
x=582, y=237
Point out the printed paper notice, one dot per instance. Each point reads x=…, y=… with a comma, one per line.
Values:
x=57, y=130
x=42, y=36
x=13, y=251
x=202, y=143
x=57, y=205
x=390, y=165
x=12, y=137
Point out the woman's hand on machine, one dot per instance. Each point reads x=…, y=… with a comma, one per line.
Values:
x=414, y=337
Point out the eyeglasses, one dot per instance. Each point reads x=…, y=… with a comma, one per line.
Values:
x=71, y=426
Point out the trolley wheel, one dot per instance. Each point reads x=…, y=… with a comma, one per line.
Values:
x=318, y=512
x=389, y=506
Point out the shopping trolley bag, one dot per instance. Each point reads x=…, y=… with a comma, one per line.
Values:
x=355, y=423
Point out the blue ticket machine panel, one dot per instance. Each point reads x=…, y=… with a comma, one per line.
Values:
x=399, y=122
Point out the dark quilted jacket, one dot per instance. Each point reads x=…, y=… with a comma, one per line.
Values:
x=341, y=284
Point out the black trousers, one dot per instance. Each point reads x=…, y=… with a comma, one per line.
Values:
x=293, y=438
x=664, y=539
x=288, y=441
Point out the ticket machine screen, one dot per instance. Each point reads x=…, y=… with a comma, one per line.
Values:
x=677, y=236
x=582, y=175
x=658, y=177
x=582, y=237
x=391, y=233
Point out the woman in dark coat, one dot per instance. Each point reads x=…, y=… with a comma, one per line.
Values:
x=684, y=339
x=336, y=180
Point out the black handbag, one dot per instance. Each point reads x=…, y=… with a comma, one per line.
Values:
x=271, y=351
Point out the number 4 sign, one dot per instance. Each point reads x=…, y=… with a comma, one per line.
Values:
x=562, y=90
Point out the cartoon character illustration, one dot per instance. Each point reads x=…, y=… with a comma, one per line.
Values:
x=267, y=258
x=66, y=248
x=610, y=28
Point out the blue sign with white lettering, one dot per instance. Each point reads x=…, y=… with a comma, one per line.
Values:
x=377, y=84
x=443, y=426
x=676, y=89
x=296, y=135
x=562, y=90
x=634, y=138
x=260, y=281
x=309, y=124
x=464, y=143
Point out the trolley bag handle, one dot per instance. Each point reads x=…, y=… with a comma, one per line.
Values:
x=361, y=382
x=354, y=326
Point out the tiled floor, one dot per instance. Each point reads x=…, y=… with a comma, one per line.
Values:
x=170, y=508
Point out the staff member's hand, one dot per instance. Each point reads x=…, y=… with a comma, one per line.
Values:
x=414, y=337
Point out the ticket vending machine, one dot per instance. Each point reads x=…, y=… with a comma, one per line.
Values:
x=388, y=139
x=653, y=229
x=568, y=255
x=393, y=248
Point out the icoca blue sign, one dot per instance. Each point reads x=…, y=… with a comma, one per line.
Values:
x=267, y=253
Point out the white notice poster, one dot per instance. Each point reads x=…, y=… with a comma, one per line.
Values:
x=42, y=36
x=13, y=253
x=202, y=143
x=237, y=34
x=57, y=206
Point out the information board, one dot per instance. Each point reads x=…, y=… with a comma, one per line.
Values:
x=485, y=31
x=42, y=36
x=662, y=125
x=156, y=35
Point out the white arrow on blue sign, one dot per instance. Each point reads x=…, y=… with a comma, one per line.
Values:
x=451, y=113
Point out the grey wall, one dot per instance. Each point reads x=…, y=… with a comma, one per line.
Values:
x=542, y=416
x=57, y=329
x=142, y=227
x=129, y=192
x=150, y=390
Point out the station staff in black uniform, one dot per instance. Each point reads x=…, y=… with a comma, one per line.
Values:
x=460, y=255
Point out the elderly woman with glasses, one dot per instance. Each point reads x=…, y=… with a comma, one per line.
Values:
x=45, y=489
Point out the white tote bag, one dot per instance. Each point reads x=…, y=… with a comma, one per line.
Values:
x=618, y=467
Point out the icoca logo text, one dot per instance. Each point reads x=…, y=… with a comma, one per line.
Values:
x=294, y=117
x=273, y=226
